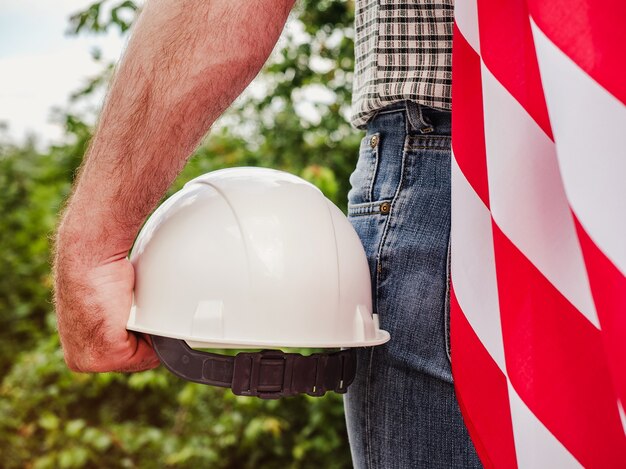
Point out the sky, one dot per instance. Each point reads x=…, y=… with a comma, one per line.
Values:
x=40, y=65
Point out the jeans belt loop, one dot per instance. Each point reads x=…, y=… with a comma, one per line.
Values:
x=415, y=120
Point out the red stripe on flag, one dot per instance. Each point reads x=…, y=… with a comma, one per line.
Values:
x=556, y=361
x=467, y=119
x=591, y=33
x=608, y=286
x=508, y=50
x=482, y=393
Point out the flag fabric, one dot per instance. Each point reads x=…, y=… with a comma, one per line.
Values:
x=538, y=286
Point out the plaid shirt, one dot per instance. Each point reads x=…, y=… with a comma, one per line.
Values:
x=403, y=51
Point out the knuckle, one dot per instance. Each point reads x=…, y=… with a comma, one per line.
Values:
x=73, y=365
x=109, y=359
x=80, y=364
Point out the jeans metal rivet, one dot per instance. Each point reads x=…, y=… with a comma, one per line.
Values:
x=374, y=141
x=385, y=207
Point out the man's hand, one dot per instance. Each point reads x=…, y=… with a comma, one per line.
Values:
x=93, y=305
x=186, y=62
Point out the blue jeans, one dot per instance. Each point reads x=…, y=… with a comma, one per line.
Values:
x=401, y=409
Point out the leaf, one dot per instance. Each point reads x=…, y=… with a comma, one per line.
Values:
x=74, y=427
x=49, y=421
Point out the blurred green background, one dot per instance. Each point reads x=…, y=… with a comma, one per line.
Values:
x=53, y=418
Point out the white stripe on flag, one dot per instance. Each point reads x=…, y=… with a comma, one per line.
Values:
x=466, y=17
x=527, y=198
x=589, y=126
x=473, y=265
x=535, y=446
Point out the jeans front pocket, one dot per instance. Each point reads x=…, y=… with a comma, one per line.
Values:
x=363, y=176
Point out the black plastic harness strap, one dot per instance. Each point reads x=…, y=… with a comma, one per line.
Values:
x=268, y=374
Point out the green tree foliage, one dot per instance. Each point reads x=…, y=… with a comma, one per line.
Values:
x=53, y=418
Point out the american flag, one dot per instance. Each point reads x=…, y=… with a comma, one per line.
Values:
x=538, y=308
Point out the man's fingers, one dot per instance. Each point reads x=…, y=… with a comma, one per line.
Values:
x=144, y=358
x=136, y=355
x=92, y=306
x=146, y=337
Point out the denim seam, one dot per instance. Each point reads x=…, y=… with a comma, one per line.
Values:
x=373, y=168
x=432, y=142
x=388, y=222
x=422, y=147
x=366, y=208
x=421, y=120
x=446, y=316
x=408, y=126
x=440, y=137
x=364, y=214
x=368, y=433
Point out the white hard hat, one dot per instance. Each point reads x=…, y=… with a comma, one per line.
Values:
x=251, y=258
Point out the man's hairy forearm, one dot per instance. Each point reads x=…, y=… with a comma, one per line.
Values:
x=186, y=62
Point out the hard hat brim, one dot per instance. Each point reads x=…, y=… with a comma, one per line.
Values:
x=198, y=342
